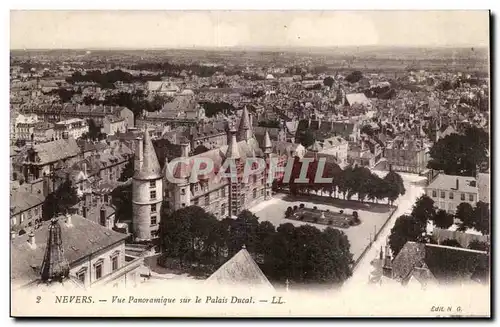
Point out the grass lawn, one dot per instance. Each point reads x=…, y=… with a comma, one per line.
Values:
x=372, y=216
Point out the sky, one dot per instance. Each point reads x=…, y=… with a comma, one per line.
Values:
x=208, y=29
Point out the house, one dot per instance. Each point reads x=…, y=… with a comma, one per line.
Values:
x=87, y=252
x=25, y=210
x=449, y=191
x=43, y=132
x=406, y=155
x=74, y=128
x=113, y=124
x=464, y=239
x=433, y=265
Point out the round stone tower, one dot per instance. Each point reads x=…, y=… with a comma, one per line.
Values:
x=147, y=190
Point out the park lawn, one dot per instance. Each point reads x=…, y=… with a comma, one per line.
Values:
x=372, y=216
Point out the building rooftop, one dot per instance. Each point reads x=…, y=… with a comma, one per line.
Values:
x=454, y=183
x=80, y=239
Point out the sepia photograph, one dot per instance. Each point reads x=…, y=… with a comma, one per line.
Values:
x=320, y=163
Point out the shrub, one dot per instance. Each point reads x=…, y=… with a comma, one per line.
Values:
x=315, y=208
x=355, y=214
x=302, y=206
x=316, y=219
x=301, y=217
x=295, y=208
x=330, y=222
x=341, y=211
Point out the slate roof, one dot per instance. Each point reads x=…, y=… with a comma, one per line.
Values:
x=449, y=182
x=80, y=239
x=241, y=270
x=445, y=264
x=21, y=201
x=150, y=168
x=56, y=150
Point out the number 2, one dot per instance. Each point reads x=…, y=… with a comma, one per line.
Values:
x=38, y=299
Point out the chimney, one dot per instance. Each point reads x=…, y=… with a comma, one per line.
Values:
x=31, y=239
x=102, y=216
x=457, y=184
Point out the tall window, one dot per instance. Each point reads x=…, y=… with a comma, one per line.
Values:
x=471, y=197
x=451, y=195
x=153, y=208
x=152, y=195
x=196, y=202
x=442, y=195
x=98, y=271
x=434, y=193
x=223, y=192
x=462, y=197
x=153, y=220
x=223, y=209
x=254, y=193
x=114, y=263
x=207, y=199
x=152, y=184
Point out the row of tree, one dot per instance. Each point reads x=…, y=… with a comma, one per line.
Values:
x=107, y=79
x=301, y=254
x=413, y=227
x=353, y=180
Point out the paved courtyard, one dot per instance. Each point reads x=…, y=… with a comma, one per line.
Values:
x=372, y=216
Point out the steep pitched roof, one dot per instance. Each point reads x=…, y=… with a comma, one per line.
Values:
x=150, y=168
x=245, y=120
x=241, y=269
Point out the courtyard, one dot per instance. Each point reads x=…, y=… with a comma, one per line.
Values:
x=373, y=216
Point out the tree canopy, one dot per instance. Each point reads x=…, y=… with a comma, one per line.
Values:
x=60, y=201
x=460, y=154
x=406, y=229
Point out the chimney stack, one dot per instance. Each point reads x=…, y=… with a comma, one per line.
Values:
x=102, y=216
x=457, y=183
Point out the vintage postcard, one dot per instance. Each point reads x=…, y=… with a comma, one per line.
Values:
x=250, y=163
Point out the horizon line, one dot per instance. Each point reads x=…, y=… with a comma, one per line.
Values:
x=256, y=47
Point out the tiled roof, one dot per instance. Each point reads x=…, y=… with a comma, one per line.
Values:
x=449, y=182
x=241, y=270
x=80, y=239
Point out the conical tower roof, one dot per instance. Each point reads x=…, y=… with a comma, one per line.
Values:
x=150, y=168
x=267, y=142
x=54, y=265
x=233, y=151
x=245, y=120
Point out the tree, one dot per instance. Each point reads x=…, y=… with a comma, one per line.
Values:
x=482, y=217
x=451, y=242
x=121, y=197
x=127, y=171
x=244, y=232
x=458, y=154
x=328, y=81
x=94, y=130
x=60, y=201
x=265, y=234
x=406, y=229
x=395, y=185
x=443, y=219
x=465, y=213
x=478, y=245
x=424, y=210
x=306, y=138
x=354, y=77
